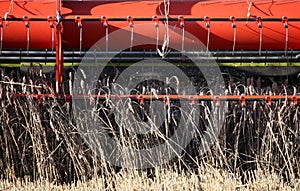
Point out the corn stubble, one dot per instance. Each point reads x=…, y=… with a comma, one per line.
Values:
x=40, y=147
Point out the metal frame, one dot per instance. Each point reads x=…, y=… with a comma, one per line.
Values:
x=75, y=56
x=243, y=99
x=237, y=57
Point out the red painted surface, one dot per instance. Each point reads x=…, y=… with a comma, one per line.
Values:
x=221, y=32
x=191, y=98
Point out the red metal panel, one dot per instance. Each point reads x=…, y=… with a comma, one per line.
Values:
x=221, y=32
x=248, y=33
x=14, y=32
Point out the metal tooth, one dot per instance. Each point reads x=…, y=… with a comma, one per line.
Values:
x=259, y=21
x=130, y=20
x=27, y=25
x=181, y=22
x=207, y=23
x=233, y=21
x=104, y=21
x=259, y=24
x=155, y=20
x=105, y=25
x=78, y=20
x=51, y=22
x=156, y=25
x=286, y=26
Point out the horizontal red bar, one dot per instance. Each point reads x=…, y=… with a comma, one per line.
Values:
x=187, y=97
x=88, y=18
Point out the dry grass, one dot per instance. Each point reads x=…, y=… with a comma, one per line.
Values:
x=40, y=148
x=207, y=179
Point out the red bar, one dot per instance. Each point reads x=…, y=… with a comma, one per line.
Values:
x=293, y=98
x=59, y=51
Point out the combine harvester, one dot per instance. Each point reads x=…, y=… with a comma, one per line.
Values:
x=251, y=43
x=252, y=37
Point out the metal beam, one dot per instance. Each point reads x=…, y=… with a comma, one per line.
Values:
x=59, y=50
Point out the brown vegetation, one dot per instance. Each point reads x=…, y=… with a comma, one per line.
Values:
x=40, y=147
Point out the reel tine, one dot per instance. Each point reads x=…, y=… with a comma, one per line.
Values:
x=286, y=26
x=51, y=22
x=78, y=20
x=181, y=23
x=27, y=25
x=130, y=22
x=207, y=24
x=259, y=24
x=233, y=24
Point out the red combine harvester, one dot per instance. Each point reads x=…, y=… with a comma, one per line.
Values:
x=260, y=37
x=257, y=37
x=229, y=64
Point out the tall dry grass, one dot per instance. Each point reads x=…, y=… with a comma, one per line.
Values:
x=40, y=147
x=206, y=179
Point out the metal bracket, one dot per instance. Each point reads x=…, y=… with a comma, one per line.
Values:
x=130, y=22
x=78, y=20
x=233, y=24
x=51, y=20
x=207, y=24
x=259, y=24
x=27, y=25
x=286, y=26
